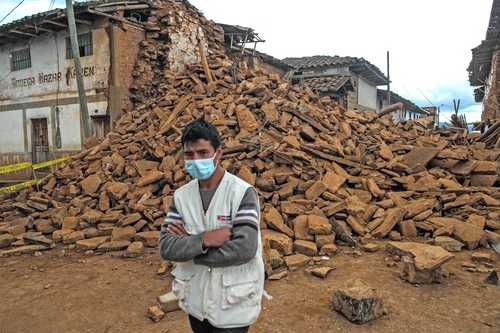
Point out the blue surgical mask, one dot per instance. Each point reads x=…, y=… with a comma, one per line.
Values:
x=200, y=169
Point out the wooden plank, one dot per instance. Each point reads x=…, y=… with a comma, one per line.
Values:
x=308, y=120
x=172, y=118
x=204, y=63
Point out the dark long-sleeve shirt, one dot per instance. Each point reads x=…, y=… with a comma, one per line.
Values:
x=240, y=249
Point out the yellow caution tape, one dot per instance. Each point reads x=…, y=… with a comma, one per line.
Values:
x=20, y=186
x=17, y=187
x=49, y=163
x=14, y=167
x=25, y=165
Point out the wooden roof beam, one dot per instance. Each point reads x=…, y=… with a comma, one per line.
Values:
x=6, y=35
x=59, y=24
x=83, y=22
x=14, y=31
x=38, y=28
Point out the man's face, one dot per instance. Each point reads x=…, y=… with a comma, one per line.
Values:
x=201, y=149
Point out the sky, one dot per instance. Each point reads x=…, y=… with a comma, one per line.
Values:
x=430, y=41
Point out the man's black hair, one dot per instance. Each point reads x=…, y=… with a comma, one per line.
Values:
x=201, y=129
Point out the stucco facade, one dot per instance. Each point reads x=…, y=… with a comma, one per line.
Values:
x=47, y=90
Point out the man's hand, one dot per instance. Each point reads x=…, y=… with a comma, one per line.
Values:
x=216, y=238
x=177, y=229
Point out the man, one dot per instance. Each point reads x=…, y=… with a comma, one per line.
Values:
x=212, y=233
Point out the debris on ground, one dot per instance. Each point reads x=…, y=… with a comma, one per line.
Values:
x=420, y=263
x=358, y=302
x=325, y=175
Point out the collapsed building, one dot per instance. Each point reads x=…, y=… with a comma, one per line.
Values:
x=325, y=176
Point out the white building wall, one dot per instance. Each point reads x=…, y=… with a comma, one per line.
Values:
x=367, y=94
x=69, y=124
x=11, y=132
x=50, y=72
x=50, y=79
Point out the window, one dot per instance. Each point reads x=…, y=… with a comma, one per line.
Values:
x=84, y=43
x=20, y=59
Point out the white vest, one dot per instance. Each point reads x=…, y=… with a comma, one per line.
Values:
x=230, y=296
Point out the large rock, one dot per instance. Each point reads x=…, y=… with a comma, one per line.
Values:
x=333, y=181
x=130, y=219
x=315, y=190
x=420, y=263
x=393, y=217
x=319, y=225
x=469, y=234
x=274, y=220
x=73, y=237
x=149, y=238
x=343, y=232
x=34, y=238
x=113, y=246
x=168, y=302
x=246, y=119
x=91, y=243
x=45, y=226
x=126, y=233
x=6, y=240
x=275, y=258
x=278, y=241
x=418, y=206
x=448, y=243
x=301, y=227
x=90, y=184
x=322, y=240
x=150, y=178
x=70, y=223
x=358, y=302
x=305, y=247
x=296, y=261
x=420, y=157
x=26, y=249
x=117, y=190
x=135, y=249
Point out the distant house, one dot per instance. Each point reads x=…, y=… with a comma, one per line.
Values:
x=337, y=86
x=352, y=79
x=484, y=68
x=241, y=44
x=410, y=110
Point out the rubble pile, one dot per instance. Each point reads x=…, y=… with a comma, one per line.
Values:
x=324, y=175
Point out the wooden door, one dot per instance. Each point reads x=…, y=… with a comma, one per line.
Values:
x=100, y=126
x=39, y=140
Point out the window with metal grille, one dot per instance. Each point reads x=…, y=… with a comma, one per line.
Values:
x=84, y=44
x=20, y=59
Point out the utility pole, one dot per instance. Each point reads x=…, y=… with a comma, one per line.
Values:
x=388, y=81
x=84, y=111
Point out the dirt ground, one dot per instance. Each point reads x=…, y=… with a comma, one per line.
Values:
x=58, y=293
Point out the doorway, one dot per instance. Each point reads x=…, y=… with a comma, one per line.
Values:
x=39, y=140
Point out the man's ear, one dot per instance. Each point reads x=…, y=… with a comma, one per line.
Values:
x=218, y=155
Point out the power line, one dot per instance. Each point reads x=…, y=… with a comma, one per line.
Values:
x=13, y=9
x=425, y=96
